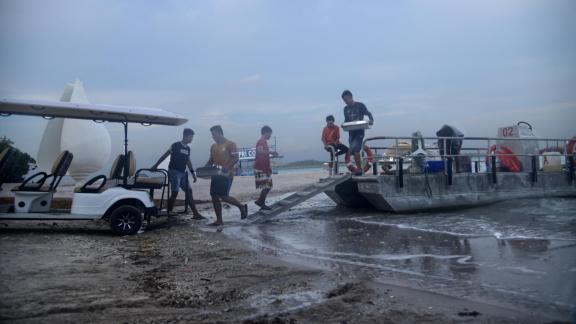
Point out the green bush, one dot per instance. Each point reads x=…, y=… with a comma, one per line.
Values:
x=21, y=164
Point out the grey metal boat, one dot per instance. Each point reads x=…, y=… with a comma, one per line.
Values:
x=473, y=171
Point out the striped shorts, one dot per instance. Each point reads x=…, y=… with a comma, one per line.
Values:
x=263, y=179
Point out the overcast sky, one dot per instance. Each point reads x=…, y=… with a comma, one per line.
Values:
x=243, y=63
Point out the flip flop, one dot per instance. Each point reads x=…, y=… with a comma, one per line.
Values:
x=262, y=206
x=215, y=224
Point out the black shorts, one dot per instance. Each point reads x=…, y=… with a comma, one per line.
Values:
x=355, y=140
x=220, y=186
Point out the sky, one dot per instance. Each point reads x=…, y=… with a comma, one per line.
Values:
x=416, y=64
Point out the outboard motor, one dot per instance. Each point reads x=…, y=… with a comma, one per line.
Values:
x=451, y=146
x=462, y=163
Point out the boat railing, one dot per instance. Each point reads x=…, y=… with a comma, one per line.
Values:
x=479, y=150
x=333, y=166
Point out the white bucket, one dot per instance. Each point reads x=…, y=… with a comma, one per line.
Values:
x=552, y=161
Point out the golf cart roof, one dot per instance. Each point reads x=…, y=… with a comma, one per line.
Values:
x=111, y=113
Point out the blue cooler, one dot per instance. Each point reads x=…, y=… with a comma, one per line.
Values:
x=434, y=166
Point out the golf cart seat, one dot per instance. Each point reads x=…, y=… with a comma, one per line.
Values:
x=7, y=157
x=136, y=179
x=98, y=183
x=140, y=180
x=59, y=169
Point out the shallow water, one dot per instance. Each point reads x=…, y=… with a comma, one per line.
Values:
x=521, y=252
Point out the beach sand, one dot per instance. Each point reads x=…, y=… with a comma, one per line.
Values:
x=179, y=271
x=243, y=188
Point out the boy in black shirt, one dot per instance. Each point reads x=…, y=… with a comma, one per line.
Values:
x=180, y=159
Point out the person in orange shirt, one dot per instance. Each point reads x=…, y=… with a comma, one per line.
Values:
x=223, y=154
x=331, y=138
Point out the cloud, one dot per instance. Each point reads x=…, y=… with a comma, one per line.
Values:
x=245, y=63
x=254, y=79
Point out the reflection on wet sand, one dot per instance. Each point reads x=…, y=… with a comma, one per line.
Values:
x=525, y=254
x=524, y=246
x=425, y=252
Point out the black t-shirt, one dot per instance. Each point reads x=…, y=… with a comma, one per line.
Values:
x=179, y=156
x=355, y=112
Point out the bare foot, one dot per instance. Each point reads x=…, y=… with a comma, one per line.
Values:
x=198, y=217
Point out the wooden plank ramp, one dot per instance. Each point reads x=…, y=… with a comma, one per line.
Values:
x=296, y=198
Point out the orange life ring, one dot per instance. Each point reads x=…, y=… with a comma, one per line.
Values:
x=368, y=163
x=506, y=157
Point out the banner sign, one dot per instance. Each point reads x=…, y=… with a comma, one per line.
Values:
x=247, y=153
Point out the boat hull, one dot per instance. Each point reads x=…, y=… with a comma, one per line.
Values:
x=421, y=192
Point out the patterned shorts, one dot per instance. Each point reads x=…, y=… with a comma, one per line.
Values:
x=263, y=179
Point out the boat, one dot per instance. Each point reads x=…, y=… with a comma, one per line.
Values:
x=460, y=171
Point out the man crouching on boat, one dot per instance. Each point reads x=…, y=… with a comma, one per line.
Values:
x=179, y=153
x=352, y=112
x=223, y=154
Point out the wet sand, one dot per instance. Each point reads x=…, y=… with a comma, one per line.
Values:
x=174, y=272
x=182, y=271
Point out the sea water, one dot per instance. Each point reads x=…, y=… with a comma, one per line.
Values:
x=520, y=252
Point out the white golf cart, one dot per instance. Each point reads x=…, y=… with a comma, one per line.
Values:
x=125, y=204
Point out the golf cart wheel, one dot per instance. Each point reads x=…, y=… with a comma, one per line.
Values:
x=126, y=220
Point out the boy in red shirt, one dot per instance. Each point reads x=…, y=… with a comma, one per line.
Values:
x=262, y=167
x=331, y=138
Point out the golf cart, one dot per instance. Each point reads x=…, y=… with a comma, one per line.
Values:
x=124, y=198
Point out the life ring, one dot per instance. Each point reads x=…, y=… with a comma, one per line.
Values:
x=506, y=157
x=368, y=162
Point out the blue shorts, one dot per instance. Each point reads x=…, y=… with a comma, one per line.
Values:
x=355, y=140
x=220, y=186
x=178, y=180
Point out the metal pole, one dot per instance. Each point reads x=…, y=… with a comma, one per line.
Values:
x=494, y=178
x=534, y=173
x=449, y=170
x=335, y=165
x=126, y=161
x=571, y=167
x=400, y=170
x=333, y=168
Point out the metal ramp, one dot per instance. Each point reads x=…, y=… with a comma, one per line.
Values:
x=297, y=198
